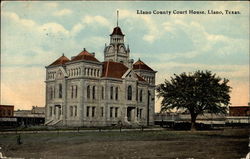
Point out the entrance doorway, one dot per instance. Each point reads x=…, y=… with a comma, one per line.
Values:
x=129, y=113
x=58, y=111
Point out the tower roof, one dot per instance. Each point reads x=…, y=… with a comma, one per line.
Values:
x=60, y=61
x=141, y=65
x=117, y=31
x=85, y=55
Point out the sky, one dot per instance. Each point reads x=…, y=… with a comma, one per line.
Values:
x=34, y=34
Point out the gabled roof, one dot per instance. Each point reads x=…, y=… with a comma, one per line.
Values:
x=115, y=70
x=85, y=55
x=60, y=61
x=117, y=31
x=140, y=78
x=141, y=65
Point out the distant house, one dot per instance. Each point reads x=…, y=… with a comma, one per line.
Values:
x=6, y=110
x=239, y=111
x=38, y=110
x=11, y=118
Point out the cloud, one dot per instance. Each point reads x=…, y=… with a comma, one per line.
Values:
x=62, y=12
x=53, y=28
x=149, y=23
x=14, y=17
x=51, y=4
x=47, y=27
x=89, y=20
x=96, y=19
x=202, y=40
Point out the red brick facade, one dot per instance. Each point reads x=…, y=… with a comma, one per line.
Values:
x=6, y=110
x=239, y=111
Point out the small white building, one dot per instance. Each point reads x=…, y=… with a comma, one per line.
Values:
x=82, y=91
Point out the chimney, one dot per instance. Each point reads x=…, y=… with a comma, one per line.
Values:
x=130, y=63
x=93, y=53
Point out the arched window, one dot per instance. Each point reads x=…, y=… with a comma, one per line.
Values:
x=129, y=93
x=87, y=71
x=51, y=93
x=116, y=93
x=102, y=92
x=76, y=92
x=141, y=95
x=111, y=92
x=88, y=92
x=93, y=92
x=72, y=91
x=60, y=90
x=54, y=92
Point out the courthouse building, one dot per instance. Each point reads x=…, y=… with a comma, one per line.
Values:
x=82, y=91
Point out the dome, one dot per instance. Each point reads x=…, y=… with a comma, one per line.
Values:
x=117, y=31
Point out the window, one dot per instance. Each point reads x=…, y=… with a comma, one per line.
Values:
x=93, y=92
x=54, y=110
x=91, y=71
x=141, y=95
x=93, y=111
x=137, y=112
x=88, y=92
x=76, y=92
x=111, y=92
x=102, y=92
x=140, y=113
x=51, y=93
x=60, y=90
x=116, y=93
x=87, y=112
x=129, y=93
x=116, y=112
x=50, y=111
x=111, y=112
x=54, y=92
x=136, y=94
x=71, y=110
x=72, y=91
x=102, y=112
x=75, y=110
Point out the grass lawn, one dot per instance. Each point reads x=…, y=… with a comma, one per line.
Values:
x=220, y=144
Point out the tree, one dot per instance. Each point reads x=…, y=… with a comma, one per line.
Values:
x=197, y=92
